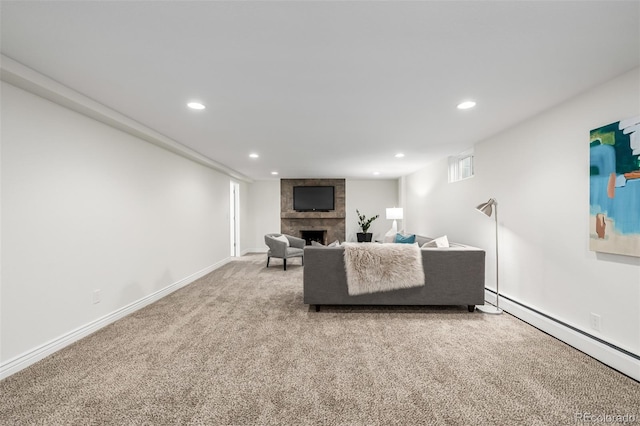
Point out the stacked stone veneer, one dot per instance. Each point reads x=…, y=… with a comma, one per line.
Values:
x=292, y=222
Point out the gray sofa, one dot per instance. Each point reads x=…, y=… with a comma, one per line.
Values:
x=453, y=276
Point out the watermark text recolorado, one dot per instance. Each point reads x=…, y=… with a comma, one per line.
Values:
x=605, y=418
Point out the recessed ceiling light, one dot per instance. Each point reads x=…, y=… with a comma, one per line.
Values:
x=196, y=105
x=466, y=105
x=376, y=173
x=399, y=155
x=254, y=155
x=274, y=173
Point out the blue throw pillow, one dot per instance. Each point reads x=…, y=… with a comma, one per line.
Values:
x=405, y=239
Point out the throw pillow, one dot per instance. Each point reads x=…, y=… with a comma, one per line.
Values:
x=283, y=239
x=336, y=243
x=440, y=242
x=405, y=239
x=431, y=243
x=389, y=237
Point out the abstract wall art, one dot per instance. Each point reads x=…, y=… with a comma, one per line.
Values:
x=614, y=188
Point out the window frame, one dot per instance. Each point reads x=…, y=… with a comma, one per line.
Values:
x=458, y=170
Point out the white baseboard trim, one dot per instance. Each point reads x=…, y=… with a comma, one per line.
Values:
x=254, y=250
x=609, y=354
x=34, y=355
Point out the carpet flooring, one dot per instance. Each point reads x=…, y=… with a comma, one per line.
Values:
x=238, y=347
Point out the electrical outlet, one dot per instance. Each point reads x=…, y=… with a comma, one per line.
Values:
x=595, y=321
x=96, y=296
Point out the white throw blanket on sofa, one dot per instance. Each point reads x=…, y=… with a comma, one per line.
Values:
x=373, y=268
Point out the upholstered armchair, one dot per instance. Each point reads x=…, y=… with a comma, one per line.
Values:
x=284, y=247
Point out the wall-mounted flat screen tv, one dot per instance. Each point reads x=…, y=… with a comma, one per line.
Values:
x=313, y=198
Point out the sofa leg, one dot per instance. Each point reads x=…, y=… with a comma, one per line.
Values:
x=285, y=264
x=471, y=308
x=268, y=259
x=317, y=308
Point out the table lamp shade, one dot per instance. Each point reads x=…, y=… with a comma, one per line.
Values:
x=394, y=213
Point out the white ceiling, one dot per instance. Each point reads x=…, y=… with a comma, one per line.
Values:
x=325, y=88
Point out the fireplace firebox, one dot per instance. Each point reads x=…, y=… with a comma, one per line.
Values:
x=319, y=236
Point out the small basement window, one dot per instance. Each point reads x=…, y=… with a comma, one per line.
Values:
x=461, y=166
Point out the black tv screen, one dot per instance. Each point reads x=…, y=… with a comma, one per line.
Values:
x=313, y=198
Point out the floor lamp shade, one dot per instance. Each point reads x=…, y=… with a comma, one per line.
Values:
x=488, y=209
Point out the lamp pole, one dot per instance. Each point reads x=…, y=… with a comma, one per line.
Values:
x=497, y=268
x=487, y=208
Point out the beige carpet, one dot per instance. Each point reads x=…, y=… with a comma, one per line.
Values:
x=238, y=347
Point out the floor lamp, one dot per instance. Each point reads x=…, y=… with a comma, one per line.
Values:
x=487, y=209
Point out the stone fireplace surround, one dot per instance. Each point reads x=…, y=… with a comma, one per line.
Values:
x=332, y=223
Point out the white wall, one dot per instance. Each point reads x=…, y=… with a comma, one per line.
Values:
x=246, y=220
x=263, y=210
x=370, y=197
x=538, y=172
x=86, y=207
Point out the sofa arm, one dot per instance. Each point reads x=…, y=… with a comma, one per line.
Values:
x=296, y=242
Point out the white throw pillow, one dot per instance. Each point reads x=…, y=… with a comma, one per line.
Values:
x=390, y=236
x=440, y=242
x=283, y=239
x=336, y=243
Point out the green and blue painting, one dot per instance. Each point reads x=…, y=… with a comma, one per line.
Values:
x=614, y=188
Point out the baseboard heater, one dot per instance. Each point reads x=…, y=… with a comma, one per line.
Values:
x=615, y=357
x=564, y=324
